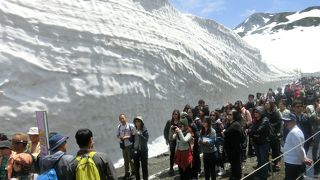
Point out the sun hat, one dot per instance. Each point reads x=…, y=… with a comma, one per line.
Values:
x=184, y=121
x=138, y=117
x=259, y=109
x=289, y=117
x=6, y=144
x=33, y=131
x=56, y=140
x=183, y=114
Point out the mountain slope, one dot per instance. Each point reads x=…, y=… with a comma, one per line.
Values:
x=261, y=23
x=287, y=40
x=85, y=62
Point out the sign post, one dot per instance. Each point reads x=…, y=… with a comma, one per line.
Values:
x=42, y=124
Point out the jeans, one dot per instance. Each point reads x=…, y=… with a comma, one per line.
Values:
x=209, y=163
x=187, y=174
x=315, y=147
x=172, y=146
x=275, y=147
x=143, y=158
x=262, y=152
x=234, y=158
x=196, y=161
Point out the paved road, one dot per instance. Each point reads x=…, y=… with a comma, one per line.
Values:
x=158, y=169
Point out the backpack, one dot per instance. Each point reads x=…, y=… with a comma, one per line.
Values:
x=50, y=174
x=86, y=168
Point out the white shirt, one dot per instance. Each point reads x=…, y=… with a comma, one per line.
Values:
x=126, y=130
x=297, y=155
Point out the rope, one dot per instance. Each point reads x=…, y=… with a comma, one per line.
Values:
x=279, y=156
x=309, y=168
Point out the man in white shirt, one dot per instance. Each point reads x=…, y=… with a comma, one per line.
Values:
x=295, y=157
x=125, y=136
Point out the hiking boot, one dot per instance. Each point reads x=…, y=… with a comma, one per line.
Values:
x=171, y=172
x=221, y=172
x=133, y=174
x=126, y=176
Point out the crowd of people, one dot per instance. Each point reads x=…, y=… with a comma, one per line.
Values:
x=226, y=135
x=259, y=127
x=20, y=158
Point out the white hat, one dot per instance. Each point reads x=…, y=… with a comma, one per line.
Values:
x=33, y=131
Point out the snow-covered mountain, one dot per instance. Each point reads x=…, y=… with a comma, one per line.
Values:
x=288, y=40
x=85, y=62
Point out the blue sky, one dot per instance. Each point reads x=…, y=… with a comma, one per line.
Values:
x=230, y=13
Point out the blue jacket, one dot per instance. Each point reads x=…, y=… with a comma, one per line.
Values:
x=60, y=162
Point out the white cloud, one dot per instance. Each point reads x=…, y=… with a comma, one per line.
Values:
x=200, y=7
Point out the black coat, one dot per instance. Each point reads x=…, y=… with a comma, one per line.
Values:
x=260, y=131
x=275, y=120
x=232, y=139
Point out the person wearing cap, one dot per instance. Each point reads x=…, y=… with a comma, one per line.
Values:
x=84, y=138
x=295, y=158
x=140, y=148
x=3, y=159
x=58, y=159
x=33, y=146
x=260, y=132
x=183, y=156
x=5, y=154
x=125, y=137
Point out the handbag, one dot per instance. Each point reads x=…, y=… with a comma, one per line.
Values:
x=122, y=144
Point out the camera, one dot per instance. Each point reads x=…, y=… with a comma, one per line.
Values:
x=174, y=128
